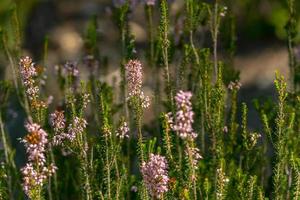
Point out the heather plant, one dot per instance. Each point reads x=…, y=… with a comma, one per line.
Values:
x=97, y=140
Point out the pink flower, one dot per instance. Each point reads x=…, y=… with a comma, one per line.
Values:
x=57, y=120
x=234, y=85
x=27, y=68
x=58, y=123
x=134, y=81
x=120, y=3
x=145, y=100
x=77, y=127
x=123, y=131
x=72, y=69
x=33, y=178
x=35, y=143
x=225, y=129
x=35, y=173
x=85, y=100
x=133, y=188
x=155, y=175
x=28, y=72
x=150, y=2
x=134, y=77
x=194, y=155
x=183, y=121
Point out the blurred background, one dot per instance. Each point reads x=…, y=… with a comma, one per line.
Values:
x=260, y=40
x=261, y=36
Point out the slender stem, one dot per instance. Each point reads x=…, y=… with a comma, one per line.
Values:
x=167, y=73
x=115, y=150
x=155, y=70
x=54, y=175
x=291, y=35
x=192, y=167
x=138, y=116
x=17, y=30
x=49, y=188
x=7, y=153
x=108, y=167
x=23, y=101
x=215, y=32
x=167, y=139
x=118, y=179
x=140, y=135
x=122, y=69
x=197, y=59
x=4, y=140
x=151, y=34
x=165, y=50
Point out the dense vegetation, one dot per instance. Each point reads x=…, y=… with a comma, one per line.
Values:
x=93, y=143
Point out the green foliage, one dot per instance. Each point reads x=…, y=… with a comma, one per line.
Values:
x=227, y=160
x=91, y=38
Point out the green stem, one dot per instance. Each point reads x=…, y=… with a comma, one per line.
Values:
x=140, y=136
x=215, y=31
x=151, y=34
x=165, y=50
x=7, y=153
x=108, y=167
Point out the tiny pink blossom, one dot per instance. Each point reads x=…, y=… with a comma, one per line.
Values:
x=134, y=78
x=35, y=172
x=182, y=122
x=123, y=131
x=194, y=154
x=28, y=73
x=225, y=129
x=77, y=127
x=85, y=100
x=72, y=69
x=27, y=68
x=234, y=85
x=33, y=178
x=145, y=100
x=133, y=188
x=35, y=143
x=155, y=175
x=58, y=121
x=150, y=2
